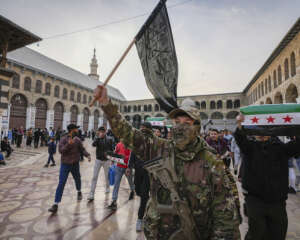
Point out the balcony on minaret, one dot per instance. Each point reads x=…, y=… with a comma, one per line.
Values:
x=94, y=67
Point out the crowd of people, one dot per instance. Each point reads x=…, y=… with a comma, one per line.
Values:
x=264, y=165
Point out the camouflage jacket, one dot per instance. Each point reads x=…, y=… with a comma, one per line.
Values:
x=203, y=183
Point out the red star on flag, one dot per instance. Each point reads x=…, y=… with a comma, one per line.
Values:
x=270, y=119
x=287, y=119
x=255, y=120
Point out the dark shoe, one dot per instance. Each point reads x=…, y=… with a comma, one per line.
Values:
x=131, y=196
x=292, y=190
x=53, y=209
x=46, y=165
x=113, y=205
x=52, y=165
x=79, y=196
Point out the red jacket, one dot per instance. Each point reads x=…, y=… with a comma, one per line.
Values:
x=120, y=149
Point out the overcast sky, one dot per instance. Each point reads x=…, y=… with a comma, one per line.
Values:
x=220, y=44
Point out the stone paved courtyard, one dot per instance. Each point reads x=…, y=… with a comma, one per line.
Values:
x=27, y=191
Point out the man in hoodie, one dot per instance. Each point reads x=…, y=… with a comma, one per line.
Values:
x=265, y=182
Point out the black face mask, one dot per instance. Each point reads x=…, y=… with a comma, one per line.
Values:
x=74, y=134
x=184, y=134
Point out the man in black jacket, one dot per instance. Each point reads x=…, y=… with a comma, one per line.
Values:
x=103, y=145
x=141, y=179
x=265, y=181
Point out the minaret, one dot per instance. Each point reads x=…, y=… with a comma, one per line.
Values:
x=94, y=67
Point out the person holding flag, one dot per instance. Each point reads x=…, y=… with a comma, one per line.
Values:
x=192, y=196
x=265, y=181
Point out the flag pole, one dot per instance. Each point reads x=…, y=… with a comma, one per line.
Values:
x=115, y=68
x=137, y=37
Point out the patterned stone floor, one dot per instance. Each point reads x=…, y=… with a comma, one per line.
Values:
x=27, y=191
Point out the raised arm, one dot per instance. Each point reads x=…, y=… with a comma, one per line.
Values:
x=132, y=138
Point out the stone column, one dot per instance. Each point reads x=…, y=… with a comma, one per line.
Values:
x=80, y=121
x=91, y=123
x=50, y=119
x=66, y=121
x=30, y=117
x=5, y=78
x=4, y=121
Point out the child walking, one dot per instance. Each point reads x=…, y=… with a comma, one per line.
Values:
x=51, y=151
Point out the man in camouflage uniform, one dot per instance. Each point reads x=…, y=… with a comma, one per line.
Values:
x=203, y=205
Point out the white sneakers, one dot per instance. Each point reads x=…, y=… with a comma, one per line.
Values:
x=139, y=225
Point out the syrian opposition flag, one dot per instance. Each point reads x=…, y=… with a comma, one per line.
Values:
x=272, y=119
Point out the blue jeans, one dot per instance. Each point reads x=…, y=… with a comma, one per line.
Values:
x=50, y=158
x=119, y=172
x=65, y=169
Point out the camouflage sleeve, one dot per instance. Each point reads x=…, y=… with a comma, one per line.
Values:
x=225, y=206
x=132, y=138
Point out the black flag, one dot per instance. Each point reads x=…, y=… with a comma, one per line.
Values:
x=156, y=50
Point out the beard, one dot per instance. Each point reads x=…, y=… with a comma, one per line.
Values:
x=184, y=134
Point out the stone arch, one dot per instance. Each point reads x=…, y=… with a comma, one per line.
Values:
x=279, y=73
x=124, y=109
x=156, y=108
x=212, y=105
x=291, y=94
x=203, y=105
x=145, y=118
x=58, y=115
x=203, y=116
x=219, y=104
x=268, y=101
x=65, y=94
x=129, y=109
x=16, y=81
x=38, y=86
x=56, y=91
x=72, y=96
x=149, y=108
x=96, y=119
x=278, y=98
x=269, y=84
x=145, y=108
x=48, y=89
x=293, y=64
x=84, y=100
x=274, y=79
x=137, y=119
x=86, y=117
x=134, y=108
x=232, y=114
x=127, y=118
x=237, y=103
x=139, y=108
x=286, y=69
x=197, y=104
x=79, y=97
x=217, y=115
x=18, y=111
x=229, y=104
x=27, y=84
x=41, y=113
x=74, y=114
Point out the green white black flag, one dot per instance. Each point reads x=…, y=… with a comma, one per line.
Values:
x=156, y=50
x=272, y=119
